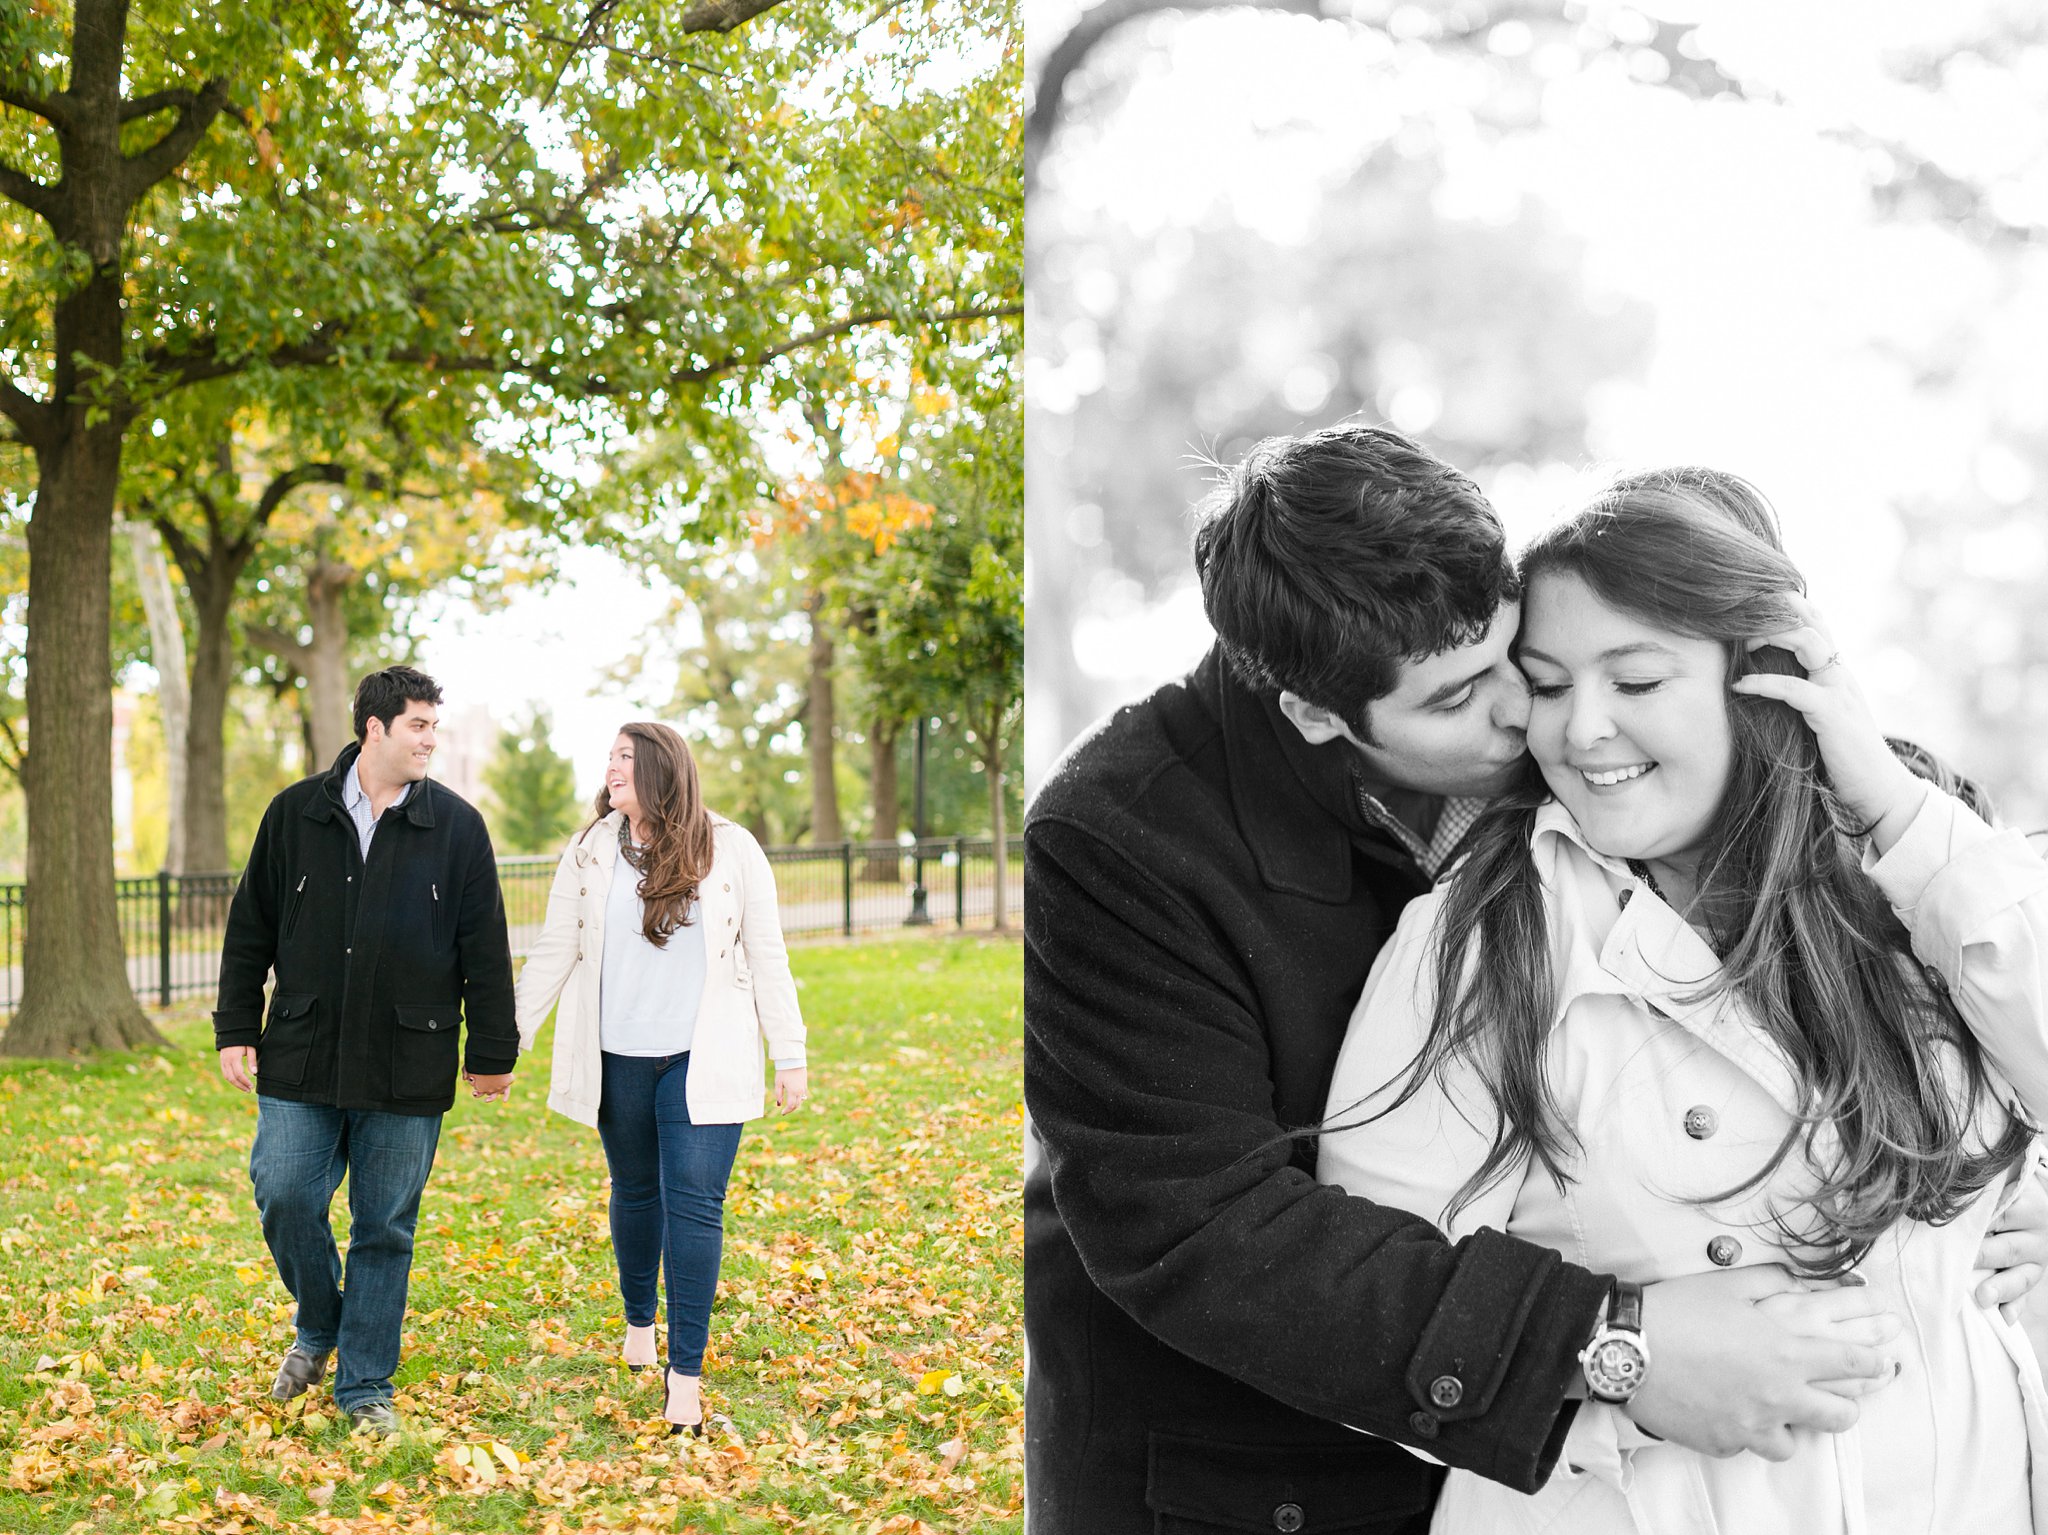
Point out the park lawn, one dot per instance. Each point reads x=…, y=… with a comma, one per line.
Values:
x=866, y=1349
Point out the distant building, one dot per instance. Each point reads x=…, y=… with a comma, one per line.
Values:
x=467, y=737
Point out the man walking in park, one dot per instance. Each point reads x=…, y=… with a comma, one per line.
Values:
x=372, y=893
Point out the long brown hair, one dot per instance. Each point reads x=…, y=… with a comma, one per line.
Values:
x=679, y=844
x=1809, y=944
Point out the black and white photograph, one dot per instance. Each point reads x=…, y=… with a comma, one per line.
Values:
x=1536, y=921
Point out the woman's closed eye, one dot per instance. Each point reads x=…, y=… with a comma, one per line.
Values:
x=1548, y=689
x=1638, y=689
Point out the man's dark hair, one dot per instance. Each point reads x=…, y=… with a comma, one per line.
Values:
x=384, y=695
x=1328, y=560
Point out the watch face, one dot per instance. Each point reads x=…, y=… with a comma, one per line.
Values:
x=1614, y=1368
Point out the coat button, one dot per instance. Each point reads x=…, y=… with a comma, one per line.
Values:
x=1701, y=1122
x=579, y=953
x=1289, y=1518
x=1423, y=1423
x=433, y=1024
x=1724, y=1252
x=584, y=891
x=1447, y=1391
x=1625, y=895
x=579, y=922
x=725, y=887
x=1935, y=979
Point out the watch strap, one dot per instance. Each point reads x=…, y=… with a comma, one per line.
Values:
x=1625, y=1306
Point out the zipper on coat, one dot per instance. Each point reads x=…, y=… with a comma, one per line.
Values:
x=291, y=915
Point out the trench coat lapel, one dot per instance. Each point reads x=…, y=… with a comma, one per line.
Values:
x=1645, y=950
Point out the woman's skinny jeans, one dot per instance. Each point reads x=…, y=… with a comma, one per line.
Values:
x=668, y=1197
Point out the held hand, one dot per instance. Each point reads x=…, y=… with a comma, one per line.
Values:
x=1741, y=1357
x=1880, y=791
x=2017, y=1248
x=792, y=1086
x=238, y=1065
x=492, y=1089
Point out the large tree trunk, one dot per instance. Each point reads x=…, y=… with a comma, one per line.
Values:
x=213, y=668
x=174, y=699
x=819, y=728
x=327, y=708
x=330, y=701
x=883, y=735
x=75, y=992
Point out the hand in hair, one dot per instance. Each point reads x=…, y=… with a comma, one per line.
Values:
x=1741, y=1357
x=1879, y=792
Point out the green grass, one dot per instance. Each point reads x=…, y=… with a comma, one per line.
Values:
x=865, y=1366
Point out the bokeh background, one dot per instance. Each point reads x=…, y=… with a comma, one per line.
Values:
x=1802, y=242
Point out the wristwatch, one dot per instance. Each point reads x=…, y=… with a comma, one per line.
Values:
x=1618, y=1358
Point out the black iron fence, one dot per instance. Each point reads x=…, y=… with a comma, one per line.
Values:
x=171, y=924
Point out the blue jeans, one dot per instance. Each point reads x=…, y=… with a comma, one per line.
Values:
x=301, y=1152
x=668, y=1197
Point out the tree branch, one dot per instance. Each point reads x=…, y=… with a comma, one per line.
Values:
x=309, y=474
x=840, y=328
x=709, y=16
x=34, y=195
x=29, y=416
x=201, y=360
x=16, y=759
x=276, y=641
x=49, y=108
x=184, y=553
x=154, y=102
x=723, y=15
x=1090, y=28
x=147, y=167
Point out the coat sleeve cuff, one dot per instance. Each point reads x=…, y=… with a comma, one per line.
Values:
x=489, y=1065
x=236, y=1028
x=1504, y=1370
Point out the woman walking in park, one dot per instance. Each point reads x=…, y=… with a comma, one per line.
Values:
x=663, y=945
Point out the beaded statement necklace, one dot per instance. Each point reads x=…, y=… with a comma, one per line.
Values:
x=636, y=856
x=1712, y=935
x=1636, y=867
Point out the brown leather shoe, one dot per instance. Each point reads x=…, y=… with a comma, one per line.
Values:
x=300, y=1371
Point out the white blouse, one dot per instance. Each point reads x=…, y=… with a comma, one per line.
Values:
x=647, y=998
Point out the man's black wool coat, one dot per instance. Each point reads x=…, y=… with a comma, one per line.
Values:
x=1203, y=899
x=378, y=963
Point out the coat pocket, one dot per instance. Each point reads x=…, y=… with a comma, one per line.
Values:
x=424, y=1050
x=292, y=903
x=1200, y=1486
x=286, y=1043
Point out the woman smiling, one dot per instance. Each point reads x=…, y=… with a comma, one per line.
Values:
x=1723, y=984
x=663, y=944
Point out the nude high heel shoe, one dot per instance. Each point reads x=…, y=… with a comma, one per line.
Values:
x=668, y=1385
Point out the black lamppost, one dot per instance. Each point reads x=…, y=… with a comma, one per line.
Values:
x=918, y=917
